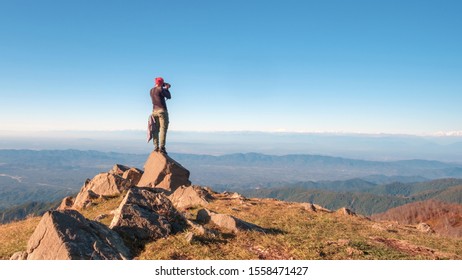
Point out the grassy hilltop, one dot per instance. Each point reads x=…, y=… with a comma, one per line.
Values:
x=295, y=232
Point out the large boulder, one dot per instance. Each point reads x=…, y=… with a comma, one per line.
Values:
x=161, y=171
x=67, y=235
x=66, y=203
x=226, y=222
x=187, y=197
x=103, y=184
x=119, y=169
x=130, y=173
x=145, y=215
x=133, y=175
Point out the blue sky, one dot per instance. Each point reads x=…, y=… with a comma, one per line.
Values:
x=313, y=66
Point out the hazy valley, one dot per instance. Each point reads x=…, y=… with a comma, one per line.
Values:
x=128, y=213
x=32, y=181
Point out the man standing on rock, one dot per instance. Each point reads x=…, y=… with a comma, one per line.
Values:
x=160, y=113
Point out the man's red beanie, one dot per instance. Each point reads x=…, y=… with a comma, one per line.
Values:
x=159, y=81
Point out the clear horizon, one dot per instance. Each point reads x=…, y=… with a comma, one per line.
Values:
x=332, y=67
x=382, y=147
x=14, y=133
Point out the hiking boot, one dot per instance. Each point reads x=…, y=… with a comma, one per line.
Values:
x=162, y=150
x=156, y=149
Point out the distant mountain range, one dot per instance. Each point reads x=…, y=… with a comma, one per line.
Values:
x=43, y=176
x=28, y=176
x=361, y=196
x=443, y=147
x=253, y=169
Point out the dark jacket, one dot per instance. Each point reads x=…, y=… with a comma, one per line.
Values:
x=158, y=95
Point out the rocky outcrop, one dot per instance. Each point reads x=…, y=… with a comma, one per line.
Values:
x=119, y=169
x=308, y=206
x=238, y=196
x=345, y=211
x=133, y=175
x=226, y=222
x=130, y=173
x=145, y=215
x=66, y=203
x=233, y=195
x=161, y=171
x=19, y=256
x=103, y=184
x=314, y=207
x=188, y=197
x=67, y=235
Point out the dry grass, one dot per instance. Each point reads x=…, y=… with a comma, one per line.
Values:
x=293, y=233
x=103, y=206
x=14, y=236
x=296, y=233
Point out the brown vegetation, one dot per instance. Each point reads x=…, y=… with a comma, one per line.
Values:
x=226, y=226
x=293, y=233
x=443, y=218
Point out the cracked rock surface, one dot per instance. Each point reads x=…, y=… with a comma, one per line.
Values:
x=67, y=235
x=103, y=184
x=146, y=214
x=161, y=171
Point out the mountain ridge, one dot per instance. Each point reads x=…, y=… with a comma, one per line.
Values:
x=363, y=198
x=51, y=174
x=169, y=221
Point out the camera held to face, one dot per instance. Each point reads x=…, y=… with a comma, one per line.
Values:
x=166, y=85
